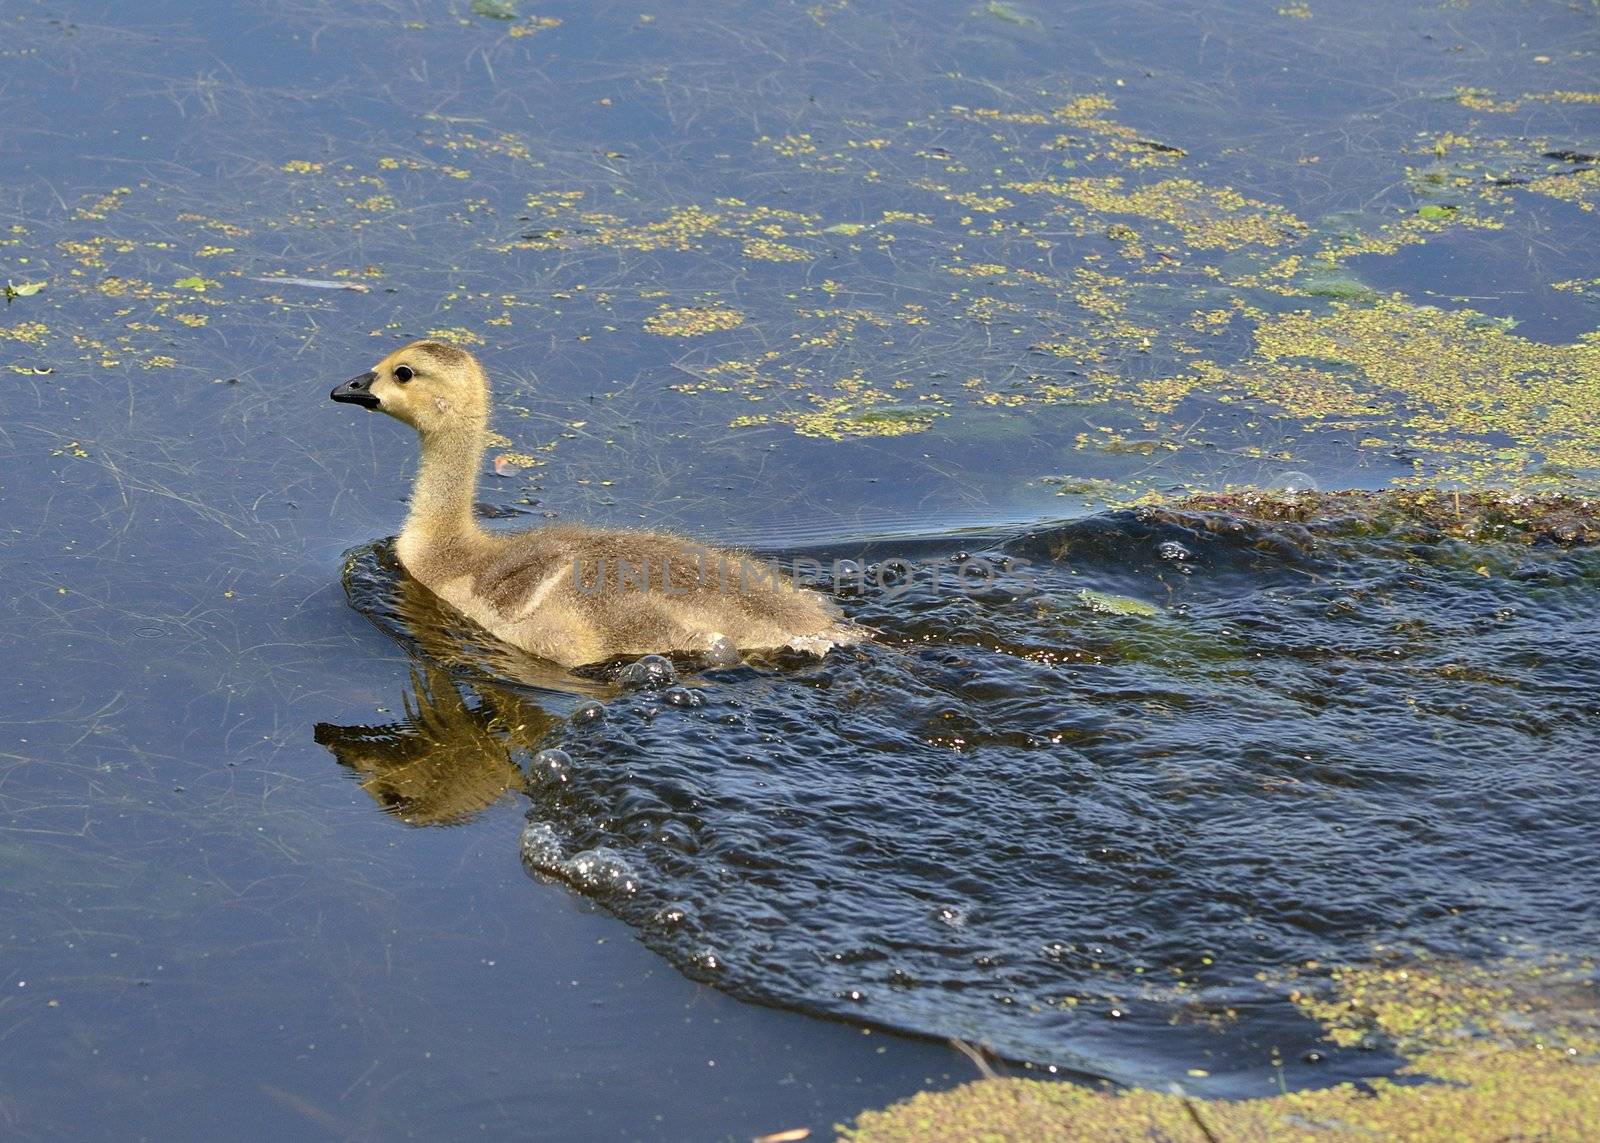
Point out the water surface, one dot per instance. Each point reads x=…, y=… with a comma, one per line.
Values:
x=811, y=278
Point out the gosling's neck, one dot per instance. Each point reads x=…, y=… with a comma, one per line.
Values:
x=441, y=520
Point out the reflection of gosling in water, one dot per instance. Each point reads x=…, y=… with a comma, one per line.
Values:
x=446, y=761
x=568, y=593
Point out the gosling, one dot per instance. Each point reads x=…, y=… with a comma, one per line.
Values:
x=569, y=593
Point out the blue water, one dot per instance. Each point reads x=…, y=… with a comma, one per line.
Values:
x=209, y=926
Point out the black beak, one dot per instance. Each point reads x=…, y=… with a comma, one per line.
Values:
x=357, y=391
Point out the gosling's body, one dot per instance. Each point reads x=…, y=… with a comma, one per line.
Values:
x=568, y=593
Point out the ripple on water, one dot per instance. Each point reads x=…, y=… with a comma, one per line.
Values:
x=1081, y=835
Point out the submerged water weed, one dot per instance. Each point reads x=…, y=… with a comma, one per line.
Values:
x=1008, y=13
x=1116, y=604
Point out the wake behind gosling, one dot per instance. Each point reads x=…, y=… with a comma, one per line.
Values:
x=568, y=593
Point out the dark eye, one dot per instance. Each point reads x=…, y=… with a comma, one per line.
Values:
x=402, y=373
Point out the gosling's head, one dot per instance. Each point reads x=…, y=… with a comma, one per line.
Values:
x=431, y=386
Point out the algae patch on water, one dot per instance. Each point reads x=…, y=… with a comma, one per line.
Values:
x=1207, y=218
x=692, y=321
x=1060, y=251
x=1499, y=1051
x=1498, y=405
x=860, y=412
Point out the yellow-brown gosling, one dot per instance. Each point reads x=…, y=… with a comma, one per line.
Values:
x=568, y=593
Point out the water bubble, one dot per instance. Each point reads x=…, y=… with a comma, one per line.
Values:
x=649, y=671
x=600, y=870
x=1174, y=551
x=722, y=652
x=1294, y=484
x=588, y=712
x=706, y=960
x=541, y=846
x=894, y=575
x=951, y=915
x=671, y=916
x=849, y=577
x=682, y=696
x=549, y=767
